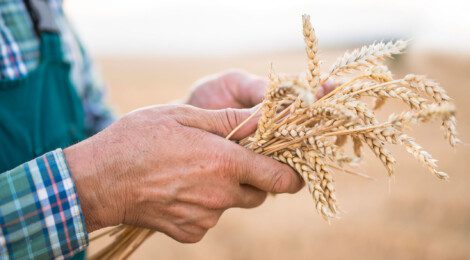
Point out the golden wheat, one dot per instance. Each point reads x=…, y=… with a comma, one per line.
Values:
x=309, y=135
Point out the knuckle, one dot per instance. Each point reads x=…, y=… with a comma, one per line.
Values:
x=209, y=223
x=255, y=202
x=194, y=239
x=232, y=74
x=197, y=238
x=189, y=234
x=180, y=109
x=279, y=182
x=218, y=202
x=223, y=163
x=229, y=119
x=189, y=238
x=260, y=199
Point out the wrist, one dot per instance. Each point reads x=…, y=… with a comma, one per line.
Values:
x=88, y=169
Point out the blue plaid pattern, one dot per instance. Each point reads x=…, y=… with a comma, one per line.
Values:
x=18, y=52
x=12, y=66
x=19, y=55
x=40, y=213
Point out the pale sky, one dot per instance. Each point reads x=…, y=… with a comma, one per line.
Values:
x=210, y=27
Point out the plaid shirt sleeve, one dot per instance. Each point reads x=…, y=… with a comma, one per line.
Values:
x=40, y=214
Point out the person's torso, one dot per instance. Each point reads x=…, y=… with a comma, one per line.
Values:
x=20, y=45
x=40, y=108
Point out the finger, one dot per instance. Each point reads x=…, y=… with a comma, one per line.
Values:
x=320, y=93
x=247, y=89
x=194, y=230
x=326, y=88
x=220, y=122
x=181, y=235
x=262, y=172
x=211, y=220
x=191, y=212
x=252, y=92
x=329, y=86
x=198, y=218
x=250, y=197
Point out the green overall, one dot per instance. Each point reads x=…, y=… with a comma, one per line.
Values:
x=42, y=111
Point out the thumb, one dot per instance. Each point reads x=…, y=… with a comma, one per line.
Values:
x=222, y=122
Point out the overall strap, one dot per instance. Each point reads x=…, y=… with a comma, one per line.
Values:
x=46, y=28
x=42, y=16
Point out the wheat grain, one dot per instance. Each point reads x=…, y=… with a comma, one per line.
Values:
x=365, y=57
x=313, y=74
x=439, y=95
x=310, y=135
x=421, y=155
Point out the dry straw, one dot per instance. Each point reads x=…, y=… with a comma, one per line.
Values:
x=310, y=135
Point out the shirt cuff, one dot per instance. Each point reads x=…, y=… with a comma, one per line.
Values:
x=40, y=213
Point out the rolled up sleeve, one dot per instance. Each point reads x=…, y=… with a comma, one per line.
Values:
x=40, y=213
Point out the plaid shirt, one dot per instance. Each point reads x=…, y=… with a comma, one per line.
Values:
x=40, y=215
x=39, y=211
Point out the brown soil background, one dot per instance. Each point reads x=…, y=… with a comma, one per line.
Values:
x=419, y=218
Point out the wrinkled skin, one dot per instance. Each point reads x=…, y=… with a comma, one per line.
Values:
x=169, y=168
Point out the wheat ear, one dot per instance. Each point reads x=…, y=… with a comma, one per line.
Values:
x=311, y=42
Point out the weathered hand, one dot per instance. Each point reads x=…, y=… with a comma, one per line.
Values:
x=230, y=89
x=235, y=89
x=169, y=168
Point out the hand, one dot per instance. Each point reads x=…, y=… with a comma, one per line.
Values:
x=235, y=89
x=229, y=89
x=169, y=168
x=326, y=88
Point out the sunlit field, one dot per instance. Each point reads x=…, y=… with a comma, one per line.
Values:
x=414, y=216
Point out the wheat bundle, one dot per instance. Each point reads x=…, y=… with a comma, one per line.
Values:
x=310, y=135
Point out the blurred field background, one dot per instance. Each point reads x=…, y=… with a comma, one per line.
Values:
x=415, y=216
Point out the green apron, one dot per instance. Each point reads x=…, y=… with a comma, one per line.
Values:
x=42, y=111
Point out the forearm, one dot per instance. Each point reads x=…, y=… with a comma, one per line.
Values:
x=40, y=214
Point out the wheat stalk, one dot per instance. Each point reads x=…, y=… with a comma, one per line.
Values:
x=365, y=57
x=310, y=135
